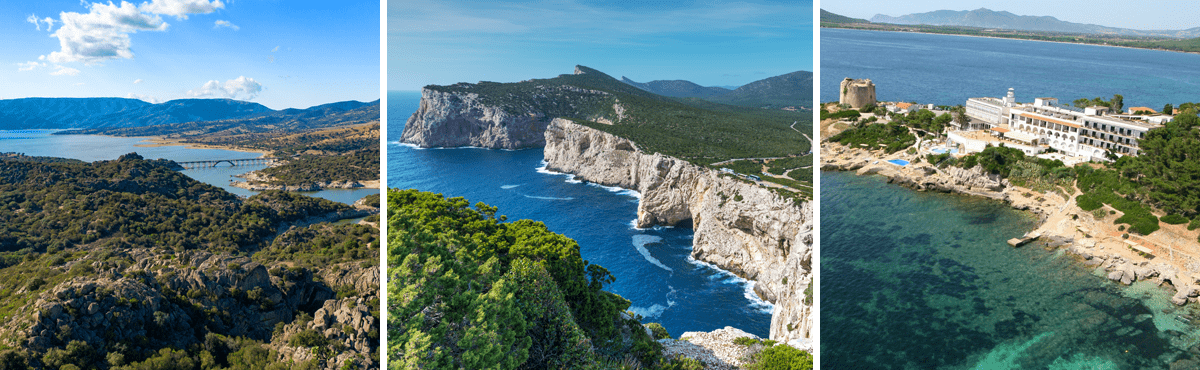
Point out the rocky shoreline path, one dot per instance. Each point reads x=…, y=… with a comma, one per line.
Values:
x=1174, y=259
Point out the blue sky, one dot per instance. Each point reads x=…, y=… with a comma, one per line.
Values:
x=712, y=43
x=282, y=54
x=1151, y=15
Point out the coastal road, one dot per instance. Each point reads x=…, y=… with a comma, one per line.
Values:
x=772, y=157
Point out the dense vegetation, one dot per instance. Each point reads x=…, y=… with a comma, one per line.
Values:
x=467, y=290
x=357, y=166
x=900, y=133
x=131, y=229
x=131, y=202
x=891, y=137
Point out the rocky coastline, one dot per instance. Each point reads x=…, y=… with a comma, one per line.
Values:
x=259, y=182
x=1061, y=223
x=740, y=227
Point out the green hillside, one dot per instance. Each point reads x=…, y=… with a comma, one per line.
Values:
x=828, y=17
x=691, y=129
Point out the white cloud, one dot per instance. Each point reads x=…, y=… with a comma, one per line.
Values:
x=181, y=8
x=33, y=18
x=64, y=71
x=145, y=98
x=239, y=88
x=275, y=49
x=226, y=24
x=29, y=66
x=103, y=32
x=137, y=81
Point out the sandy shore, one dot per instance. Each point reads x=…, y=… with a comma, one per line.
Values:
x=1175, y=255
x=155, y=141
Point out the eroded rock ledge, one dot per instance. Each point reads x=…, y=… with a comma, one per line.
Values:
x=739, y=227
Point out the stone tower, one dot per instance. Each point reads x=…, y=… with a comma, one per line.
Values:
x=857, y=93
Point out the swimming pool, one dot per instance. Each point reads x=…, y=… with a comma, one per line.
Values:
x=899, y=162
x=943, y=150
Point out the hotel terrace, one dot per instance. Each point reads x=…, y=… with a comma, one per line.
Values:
x=1087, y=133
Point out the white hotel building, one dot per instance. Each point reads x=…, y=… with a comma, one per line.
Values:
x=1088, y=133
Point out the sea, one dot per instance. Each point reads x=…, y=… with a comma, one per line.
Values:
x=947, y=69
x=652, y=266
x=915, y=280
x=91, y=148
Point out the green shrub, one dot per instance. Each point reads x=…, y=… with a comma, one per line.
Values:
x=781, y=358
x=308, y=338
x=658, y=331
x=745, y=341
x=1194, y=224
x=1174, y=219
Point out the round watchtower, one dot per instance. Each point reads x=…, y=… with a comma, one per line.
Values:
x=857, y=93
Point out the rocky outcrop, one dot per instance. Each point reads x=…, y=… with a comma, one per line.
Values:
x=450, y=119
x=915, y=175
x=136, y=301
x=258, y=181
x=717, y=350
x=740, y=227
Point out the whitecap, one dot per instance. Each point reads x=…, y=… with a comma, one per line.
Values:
x=640, y=241
x=506, y=187
x=647, y=312
x=548, y=198
x=756, y=302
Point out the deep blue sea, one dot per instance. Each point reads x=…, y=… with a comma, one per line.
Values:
x=913, y=280
x=946, y=70
x=652, y=266
x=92, y=148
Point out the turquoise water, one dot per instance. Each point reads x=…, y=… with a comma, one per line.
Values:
x=652, y=266
x=913, y=280
x=96, y=148
x=945, y=69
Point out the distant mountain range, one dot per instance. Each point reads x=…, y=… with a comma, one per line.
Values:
x=286, y=120
x=788, y=90
x=985, y=18
x=61, y=113
x=827, y=17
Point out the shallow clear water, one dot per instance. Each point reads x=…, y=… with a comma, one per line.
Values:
x=913, y=280
x=652, y=266
x=95, y=148
x=946, y=69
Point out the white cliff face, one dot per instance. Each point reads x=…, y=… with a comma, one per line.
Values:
x=447, y=119
x=740, y=227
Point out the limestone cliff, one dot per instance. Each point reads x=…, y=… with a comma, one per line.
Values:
x=740, y=227
x=449, y=119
